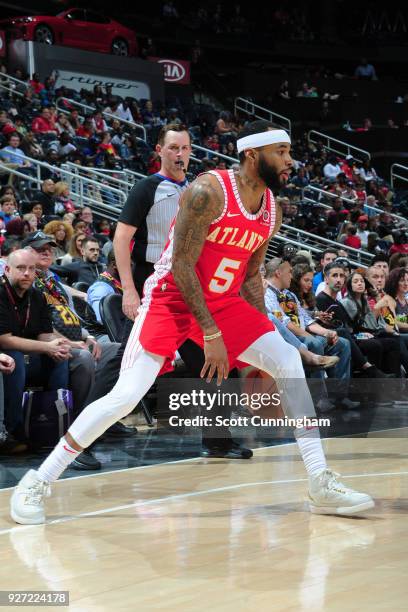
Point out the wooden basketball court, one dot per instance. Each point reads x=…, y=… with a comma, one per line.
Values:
x=201, y=535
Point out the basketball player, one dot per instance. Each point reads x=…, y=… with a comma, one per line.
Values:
x=207, y=287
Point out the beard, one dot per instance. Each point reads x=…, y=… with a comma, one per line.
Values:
x=269, y=175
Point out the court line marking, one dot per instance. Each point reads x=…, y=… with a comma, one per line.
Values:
x=171, y=498
x=145, y=467
x=152, y=465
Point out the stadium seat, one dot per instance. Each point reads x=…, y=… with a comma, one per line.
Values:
x=112, y=316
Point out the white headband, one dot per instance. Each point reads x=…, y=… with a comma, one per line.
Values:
x=263, y=138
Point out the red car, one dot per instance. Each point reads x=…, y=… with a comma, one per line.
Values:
x=76, y=27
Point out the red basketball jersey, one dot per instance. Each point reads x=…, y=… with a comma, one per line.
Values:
x=165, y=322
x=231, y=240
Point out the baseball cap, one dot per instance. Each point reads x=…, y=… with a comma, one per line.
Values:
x=362, y=218
x=38, y=239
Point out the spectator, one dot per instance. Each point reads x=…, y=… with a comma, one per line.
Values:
x=98, y=123
x=63, y=125
x=36, y=84
x=61, y=233
x=87, y=356
x=382, y=349
x=65, y=146
x=46, y=196
x=87, y=270
x=63, y=202
x=400, y=242
x=367, y=172
x=44, y=124
x=74, y=250
x=396, y=286
x=365, y=71
x=331, y=315
x=362, y=231
x=317, y=339
x=352, y=240
x=85, y=130
x=326, y=257
x=13, y=156
x=36, y=209
x=26, y=328
x=108, y=282
x=32, y=147
x=18, y=227
x=8, y=209
x=301, y=286
x=12, y=243
x=332, y=169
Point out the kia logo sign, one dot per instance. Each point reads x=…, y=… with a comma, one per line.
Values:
x=173, y=71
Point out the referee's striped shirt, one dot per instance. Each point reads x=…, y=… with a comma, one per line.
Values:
x=151, y=207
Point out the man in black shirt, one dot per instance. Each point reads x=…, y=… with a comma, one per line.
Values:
x=26, y=328
x=88, y=269
x=326, y=301
x=45, y=196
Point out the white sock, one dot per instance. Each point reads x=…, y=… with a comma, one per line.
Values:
x=57, y=461
x=312, y=454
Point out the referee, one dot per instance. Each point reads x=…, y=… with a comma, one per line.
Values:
x=146, y=218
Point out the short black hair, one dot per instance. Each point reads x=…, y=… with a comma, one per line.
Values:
x=327, y=251
x=330, y=266
x=379, y=257
x=9, y=245
x=255, y=127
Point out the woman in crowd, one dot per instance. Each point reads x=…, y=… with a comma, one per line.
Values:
x=62, y=194
x=18, y=227
x=301, y=286
x=32, y=147
x=62, y=233
x=380, y=347
x=74, y=249
x=63, y=125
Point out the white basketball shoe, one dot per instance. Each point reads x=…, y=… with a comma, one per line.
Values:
x=27, y=501
x=329, y=496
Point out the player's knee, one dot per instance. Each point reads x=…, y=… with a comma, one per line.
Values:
x=122, y=401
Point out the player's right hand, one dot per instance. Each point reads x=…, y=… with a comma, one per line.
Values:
x=130, y=303
x=216, y=360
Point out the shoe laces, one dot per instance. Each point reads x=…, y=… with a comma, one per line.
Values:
x=37, y=491
x=332, y=483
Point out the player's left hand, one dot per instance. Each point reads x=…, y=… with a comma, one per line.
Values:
x=216, y=360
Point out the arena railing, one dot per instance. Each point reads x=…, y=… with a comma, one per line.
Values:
x=81, y=187
x=260, y=112
x=13, y=84
x=121, y=179
x=212, y=153
x=395, y=176
x=322, y=193
x=332, y=144
x=272, y=250
x=92, y=109
x=320, y=243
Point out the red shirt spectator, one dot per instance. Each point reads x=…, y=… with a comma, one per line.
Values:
x=86, y=129
x=44, y=123
x=353, y=241
x=35, y=83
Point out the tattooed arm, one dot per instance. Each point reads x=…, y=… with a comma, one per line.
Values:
x=200, y=205
x=252, y=288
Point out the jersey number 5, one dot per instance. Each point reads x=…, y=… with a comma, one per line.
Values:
x=223, y=277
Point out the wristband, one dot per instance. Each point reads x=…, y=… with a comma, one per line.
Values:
x=212, y=336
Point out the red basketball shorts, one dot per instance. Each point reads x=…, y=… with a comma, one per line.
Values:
x=165, y=324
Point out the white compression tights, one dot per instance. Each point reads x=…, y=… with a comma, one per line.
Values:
x=269, y=353
x=131, y=386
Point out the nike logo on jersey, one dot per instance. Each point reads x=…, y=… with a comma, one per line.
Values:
x=229, y=214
